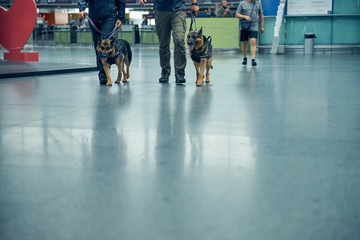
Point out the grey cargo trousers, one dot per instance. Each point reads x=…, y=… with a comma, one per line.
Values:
x=175, y=22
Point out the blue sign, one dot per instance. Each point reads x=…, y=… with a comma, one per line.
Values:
x=270, y=7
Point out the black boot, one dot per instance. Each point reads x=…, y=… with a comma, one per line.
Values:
x=164, y=77
x=180, y=79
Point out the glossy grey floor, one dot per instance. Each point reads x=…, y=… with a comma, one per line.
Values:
x=271, y=152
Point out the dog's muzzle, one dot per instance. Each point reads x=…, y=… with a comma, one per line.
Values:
x=104, y=57
x=191, y=45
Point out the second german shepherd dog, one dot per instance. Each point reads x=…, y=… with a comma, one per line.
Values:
x=201, y=53
x=115, y=51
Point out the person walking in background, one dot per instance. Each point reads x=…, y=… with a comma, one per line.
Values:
x=212, y=11
x=145, y=21
x=243, y=12
x=224, y=10
x=170, y=16
x=105, y=15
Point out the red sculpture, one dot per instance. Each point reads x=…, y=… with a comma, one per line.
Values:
x=16, y=26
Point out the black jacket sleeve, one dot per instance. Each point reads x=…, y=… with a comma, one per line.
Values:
x=120, y=4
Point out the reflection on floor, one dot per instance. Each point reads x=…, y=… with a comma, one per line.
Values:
x=266, y=152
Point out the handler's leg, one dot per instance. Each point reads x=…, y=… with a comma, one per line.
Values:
x=244, y=39
x=253, y=51
x=163, y=30
x=96, y=38
x=253, y=36
x=245, y=48
x=253, y=47
x=107, y=26
x=178, y=25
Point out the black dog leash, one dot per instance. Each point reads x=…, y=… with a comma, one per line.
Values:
x=193, y=20
x=111, y=34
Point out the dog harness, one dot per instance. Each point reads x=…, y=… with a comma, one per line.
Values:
x=197, y=56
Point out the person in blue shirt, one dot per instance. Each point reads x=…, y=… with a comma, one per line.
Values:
x=243, y=12
x=170, y=17
x=105, y=15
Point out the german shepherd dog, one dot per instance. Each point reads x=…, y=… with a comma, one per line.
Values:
x=115, y=51
x=201, y=53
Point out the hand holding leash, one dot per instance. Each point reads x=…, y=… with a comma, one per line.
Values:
x=82, y=14
x=194, y=8
x=118, y=24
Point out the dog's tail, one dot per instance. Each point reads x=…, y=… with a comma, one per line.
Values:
x=128, y=49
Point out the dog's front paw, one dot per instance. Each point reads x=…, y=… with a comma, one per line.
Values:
x=118, y=81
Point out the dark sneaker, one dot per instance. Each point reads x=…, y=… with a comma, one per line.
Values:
x=102, y=78
x=180, y=79
x=244, y=61
x=253, y=62
x=164, y=77
x=103, y=81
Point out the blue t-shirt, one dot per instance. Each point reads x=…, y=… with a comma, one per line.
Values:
x=170, y=5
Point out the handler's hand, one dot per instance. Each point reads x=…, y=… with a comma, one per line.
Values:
x=262, y=29
x=141, y=2
x=194, y=9
x=118, y=24
x=82, y=14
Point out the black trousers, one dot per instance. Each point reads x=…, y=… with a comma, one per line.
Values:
x=175, y=23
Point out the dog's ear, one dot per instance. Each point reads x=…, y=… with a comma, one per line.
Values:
x=200, y=31
x=112, y=43
x=112, y=39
